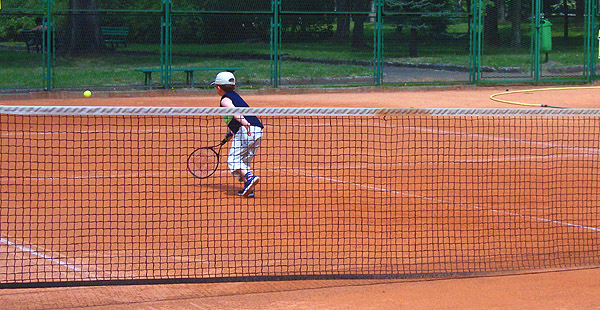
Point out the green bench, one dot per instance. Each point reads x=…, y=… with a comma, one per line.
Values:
x=114, y=36
x=189, y=73
x=33, y=39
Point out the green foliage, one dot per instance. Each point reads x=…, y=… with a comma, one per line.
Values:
x=224, y=27
x=141, y=5
x=11, y=25
x=237, y=28
x=22, y=5
x=310, y=6
x=422, y=14
x=307, y=28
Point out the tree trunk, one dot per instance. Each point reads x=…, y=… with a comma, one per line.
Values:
x=343, y=21
x=501, y=11
x=490, y=26
x=83, y=35
x=412, y=45
x=579, y=11
x=515, y=18
x=358, y=33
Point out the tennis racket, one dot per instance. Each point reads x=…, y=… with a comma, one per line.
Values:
x=203, y=161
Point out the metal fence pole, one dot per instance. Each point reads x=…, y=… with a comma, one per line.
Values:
x=591, y=39
x=594, y=14
x=275, y=43
x=475, y=46
x=48, y=47
x=166, y=44
x=378, y=42
x=162, y=44
x=536, y=40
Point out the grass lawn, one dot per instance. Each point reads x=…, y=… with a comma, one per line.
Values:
x=24, y=70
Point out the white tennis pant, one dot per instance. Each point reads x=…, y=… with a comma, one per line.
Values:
x=243, y=148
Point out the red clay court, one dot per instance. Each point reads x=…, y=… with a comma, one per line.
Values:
x=476, y=196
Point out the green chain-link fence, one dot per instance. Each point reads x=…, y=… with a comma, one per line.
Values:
x=99, y=44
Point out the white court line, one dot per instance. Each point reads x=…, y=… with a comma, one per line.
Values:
x=438, y=162
x=422, y=129
x=38, y=254
x=89, y=274
x=93, y=132
x=93, y=177
x=353, y=166
x=448, y=202
x=473, y=135
x=494, y=138
x=479, y=136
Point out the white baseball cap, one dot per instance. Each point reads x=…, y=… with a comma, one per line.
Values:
x=224, y=78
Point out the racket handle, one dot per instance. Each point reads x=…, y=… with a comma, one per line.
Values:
x=227, y=136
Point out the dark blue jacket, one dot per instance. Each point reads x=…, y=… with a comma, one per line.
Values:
x=237, y=100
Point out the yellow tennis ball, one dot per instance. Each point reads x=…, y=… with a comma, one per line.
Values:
x=87, y=93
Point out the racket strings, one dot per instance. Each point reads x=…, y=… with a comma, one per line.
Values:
x=203, y=162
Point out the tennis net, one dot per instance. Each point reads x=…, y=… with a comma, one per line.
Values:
x=103, y=194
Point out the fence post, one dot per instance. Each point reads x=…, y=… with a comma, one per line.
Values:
x=537, y=40
x=378, y=42
x=275, y=43
x=592, y=35
x=166, y=45
x=475, y=46
x=48, y=46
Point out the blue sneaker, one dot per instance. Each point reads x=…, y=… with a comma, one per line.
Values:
x=251, y=181
x=250, y=195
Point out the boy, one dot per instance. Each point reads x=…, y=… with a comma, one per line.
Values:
x=245, y=130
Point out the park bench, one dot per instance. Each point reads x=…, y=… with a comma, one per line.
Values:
x=189, y=73
x=114, y=36
x=33, y=39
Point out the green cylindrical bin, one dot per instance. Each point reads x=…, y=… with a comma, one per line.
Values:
x=546, y=36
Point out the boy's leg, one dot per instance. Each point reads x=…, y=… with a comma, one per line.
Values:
x=241, y=175
x=251, y=181
x=243, y=148
x=238, y=174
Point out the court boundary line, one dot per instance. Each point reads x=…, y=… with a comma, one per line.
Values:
x=92, y=275
x=41, y=255
x=585, y=151
x=474, y=206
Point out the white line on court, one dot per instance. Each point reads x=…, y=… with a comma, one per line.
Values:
x=586, y=151
x=540, y=219
x=86, y=273
x=494, y=138
x=38, y=254
x=92, y=177
x=94, y=132
x=440, y=162
x=353, y=166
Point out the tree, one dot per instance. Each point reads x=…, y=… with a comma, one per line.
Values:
x=490, y=25
x=515, y=18
x=309, y=27
x=358, y=33
x=343, y=21
x=579, y=11
x=416, y=15
x=83, y=28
